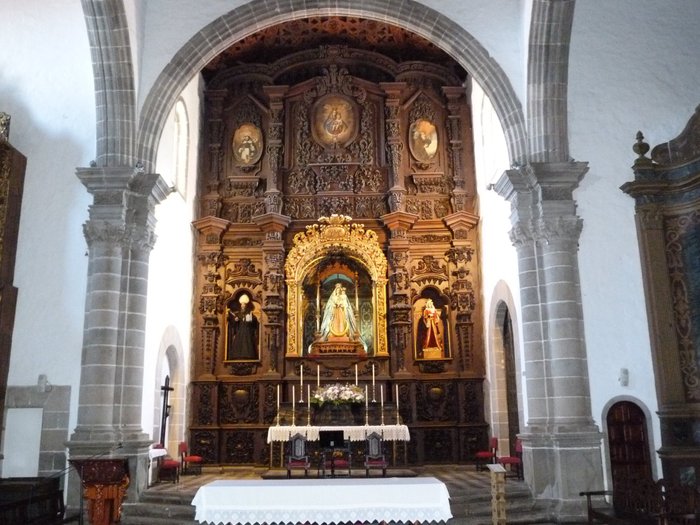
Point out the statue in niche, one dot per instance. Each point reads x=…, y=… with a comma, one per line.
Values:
x=431, y=334
x=338, y=316
x=242, y=331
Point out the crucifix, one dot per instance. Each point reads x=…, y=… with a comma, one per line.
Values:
x=166, y=389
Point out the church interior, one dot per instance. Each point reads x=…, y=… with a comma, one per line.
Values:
x=459, y=227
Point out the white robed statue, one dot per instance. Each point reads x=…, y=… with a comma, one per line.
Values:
x=338, y=317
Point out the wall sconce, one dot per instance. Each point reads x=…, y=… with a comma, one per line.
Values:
x=624, y=377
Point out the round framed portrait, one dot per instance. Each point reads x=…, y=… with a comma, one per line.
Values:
x=423, y=140
x=247, y=144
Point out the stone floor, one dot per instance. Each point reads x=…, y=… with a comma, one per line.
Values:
x=470, y=496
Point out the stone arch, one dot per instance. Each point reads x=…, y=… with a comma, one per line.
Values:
x=256, y=15
x=171, y=354
x=501, y=411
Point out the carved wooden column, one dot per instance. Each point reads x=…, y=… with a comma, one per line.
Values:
x=461, y=200
x=275, y=147
x=211, y=200
x=398, y=224
x=273, y=224
x=210, y=257
x=394, y=144
x=462, y=295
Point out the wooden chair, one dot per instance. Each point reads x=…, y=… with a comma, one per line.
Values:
x=515, y=462
x=190, y=464
x=338, y=458
x=168, y=468
x=297, y=458
x=374, y=455
x=484, y=457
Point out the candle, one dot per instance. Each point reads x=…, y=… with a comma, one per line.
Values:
x=318, y=376
x=355, y=374
x=301, y=379
x=397, y=398
x=294, y=396
x=372, y=376
x=366, y=398
x=278, y=398
x=381, y=395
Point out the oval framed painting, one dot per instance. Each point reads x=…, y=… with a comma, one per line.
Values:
x=423, y=140
x=247, y=144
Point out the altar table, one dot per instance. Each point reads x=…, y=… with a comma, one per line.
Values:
x=351, y=432
x=322, y=501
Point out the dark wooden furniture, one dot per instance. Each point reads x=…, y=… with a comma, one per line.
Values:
x=374, y=455
x=645, y=502
x=297, y=458
x=31, y=501
x=104, y=483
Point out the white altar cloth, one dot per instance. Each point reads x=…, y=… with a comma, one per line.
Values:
x=322, y=501
x=351, y=433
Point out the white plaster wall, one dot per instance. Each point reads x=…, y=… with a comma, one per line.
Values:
x=46, y=85
x=169, y=304
x=633, y=66
x=499, y=263
x=498, y=25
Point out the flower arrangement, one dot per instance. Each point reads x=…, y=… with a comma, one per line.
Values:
x=337, y=394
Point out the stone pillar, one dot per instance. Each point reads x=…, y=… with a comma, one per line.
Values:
x=120, y=236
x=560, y=436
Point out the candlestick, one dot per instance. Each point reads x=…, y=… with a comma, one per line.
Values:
x=366, y=406
x=381, y=397
x=355, y=374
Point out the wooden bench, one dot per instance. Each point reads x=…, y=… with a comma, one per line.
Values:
x=645, y=502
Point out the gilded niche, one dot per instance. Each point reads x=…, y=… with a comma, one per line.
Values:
x=336, y=256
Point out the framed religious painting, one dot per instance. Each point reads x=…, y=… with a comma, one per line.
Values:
x=247, y=144
x=423, y=140
x=334, y=121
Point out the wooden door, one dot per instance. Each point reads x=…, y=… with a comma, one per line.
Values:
x=628, y=442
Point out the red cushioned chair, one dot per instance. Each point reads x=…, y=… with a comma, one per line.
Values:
x=483, y=457
x=168, y=468
x=374, y=457
x=297, y=458
x=336, y=459
x=190, y=464
x=515, y=462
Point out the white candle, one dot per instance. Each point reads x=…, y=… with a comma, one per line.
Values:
x=308, y=397
x=397, y=398
x=294, y=396
x=366, y=398
x=301, y=379
x=381, y=395
x=278, y=398
x=318, y=376
x=372, y=376
x=355, y=374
